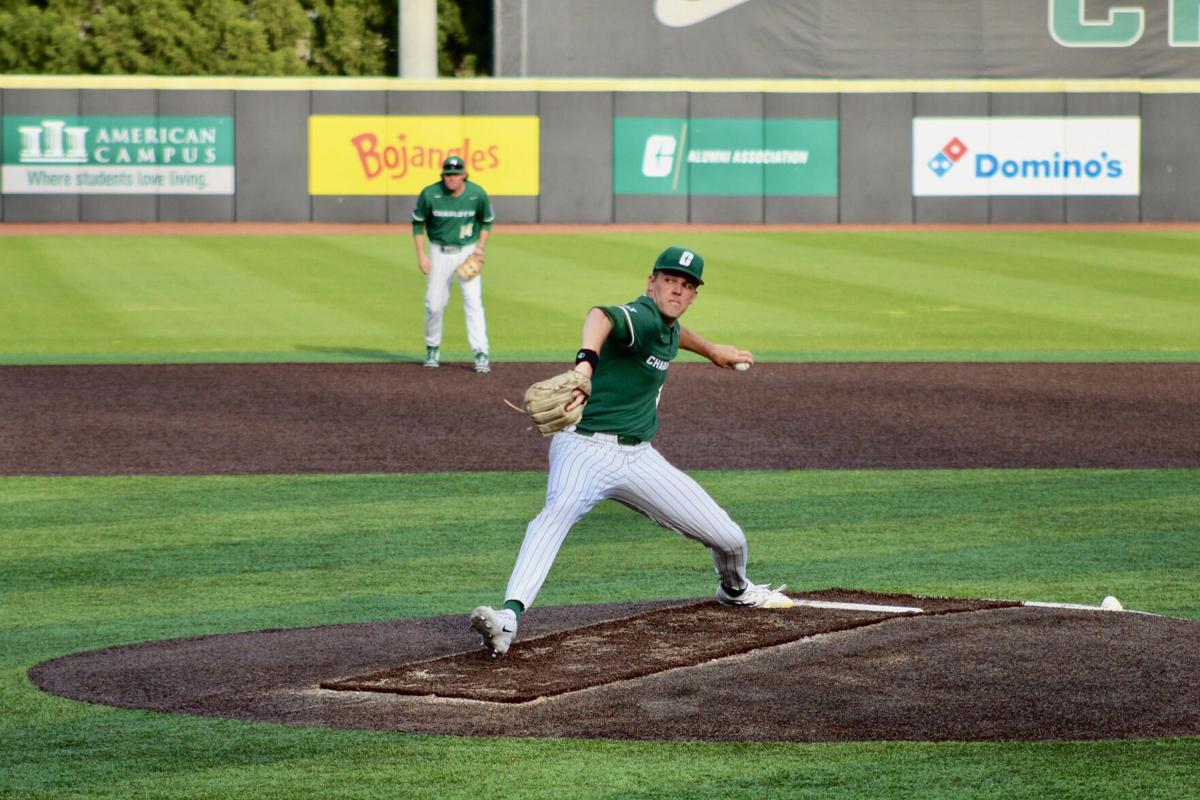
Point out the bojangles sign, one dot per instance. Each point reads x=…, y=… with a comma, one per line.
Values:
x=382, y=155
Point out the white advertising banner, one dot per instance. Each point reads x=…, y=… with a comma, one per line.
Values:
x=92, y=179
x=117, y=155
x=1022, y=156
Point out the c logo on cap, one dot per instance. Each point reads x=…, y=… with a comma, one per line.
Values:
x=686, y=257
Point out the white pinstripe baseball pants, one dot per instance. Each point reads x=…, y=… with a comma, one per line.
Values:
x=442, y=275
x=587, y=470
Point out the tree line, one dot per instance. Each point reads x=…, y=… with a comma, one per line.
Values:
x=230, y=37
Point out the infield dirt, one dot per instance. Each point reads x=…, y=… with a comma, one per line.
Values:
x=398, y=417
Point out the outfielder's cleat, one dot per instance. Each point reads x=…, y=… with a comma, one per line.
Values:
x=756, y=596
x=482, y=365
x=433, y=357
x=498, y=628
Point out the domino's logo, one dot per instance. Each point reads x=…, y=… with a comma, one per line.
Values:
x=947, y=157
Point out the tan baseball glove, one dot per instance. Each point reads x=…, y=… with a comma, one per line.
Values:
x=472, y=266
x=546, y=401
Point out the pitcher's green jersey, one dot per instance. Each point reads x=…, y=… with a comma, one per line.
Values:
x=452, y=220
x=632, y=368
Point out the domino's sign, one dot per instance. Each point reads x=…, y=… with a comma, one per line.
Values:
x=1020, y=156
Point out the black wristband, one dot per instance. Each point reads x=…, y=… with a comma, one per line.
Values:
x=590, y=356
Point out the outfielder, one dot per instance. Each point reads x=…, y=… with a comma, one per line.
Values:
x=457, y=216
x=603, y=416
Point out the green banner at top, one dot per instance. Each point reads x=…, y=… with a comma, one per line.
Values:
x=711, y=156
x=119, y=141
x=53, y=154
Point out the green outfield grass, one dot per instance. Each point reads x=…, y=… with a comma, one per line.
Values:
x=93, y=562
x=787, y=296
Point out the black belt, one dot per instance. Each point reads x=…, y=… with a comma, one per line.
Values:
x=449, y=248
x=621, y=438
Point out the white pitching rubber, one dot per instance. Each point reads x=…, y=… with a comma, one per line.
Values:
x=859, y=607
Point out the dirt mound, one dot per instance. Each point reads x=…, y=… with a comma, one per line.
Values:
x=993, y=673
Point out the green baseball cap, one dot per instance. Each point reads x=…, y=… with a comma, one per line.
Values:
x=681, y=261
x=453, y=166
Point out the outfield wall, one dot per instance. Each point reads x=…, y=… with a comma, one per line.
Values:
x=870, y=162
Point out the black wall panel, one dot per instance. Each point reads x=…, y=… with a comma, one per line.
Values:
x=876, y=147
x=576, y=169
x=272, y=156
x=1170, y=158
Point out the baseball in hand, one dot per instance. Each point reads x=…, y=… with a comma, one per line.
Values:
x=741, y=366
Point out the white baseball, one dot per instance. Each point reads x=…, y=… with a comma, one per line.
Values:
x=1111, y=603
x=741, y=366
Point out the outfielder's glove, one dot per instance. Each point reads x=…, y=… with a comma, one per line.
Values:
x=472, y=266
x=546, y=401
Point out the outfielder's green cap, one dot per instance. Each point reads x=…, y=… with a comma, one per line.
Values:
x=681, y=261
x=453, y=166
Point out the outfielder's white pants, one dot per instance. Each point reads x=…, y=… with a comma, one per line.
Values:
x=587, y=470
x=442, y=273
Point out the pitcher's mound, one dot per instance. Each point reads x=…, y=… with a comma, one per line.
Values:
x=960, y=670
x=640, y=645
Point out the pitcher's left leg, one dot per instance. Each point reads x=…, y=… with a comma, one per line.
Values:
x=674, y=500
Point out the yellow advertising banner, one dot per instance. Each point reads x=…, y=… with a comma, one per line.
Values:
x=370, y=155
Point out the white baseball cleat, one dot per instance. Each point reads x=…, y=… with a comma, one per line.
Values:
x=433, y=357
x=756, y=596
x=498, y=628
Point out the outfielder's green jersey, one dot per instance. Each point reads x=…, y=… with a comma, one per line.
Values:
x=632, y=368
x=447, y=219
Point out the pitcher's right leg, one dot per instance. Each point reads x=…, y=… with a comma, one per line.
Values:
x=581, y=475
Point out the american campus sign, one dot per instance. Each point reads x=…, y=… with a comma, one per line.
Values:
x=118, y=155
